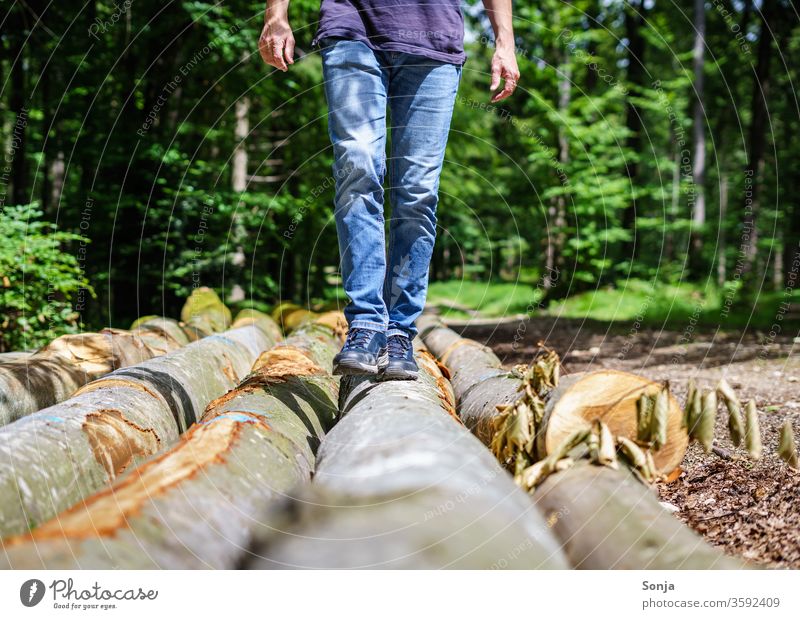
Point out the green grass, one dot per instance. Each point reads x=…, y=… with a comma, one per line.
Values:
x=490, y=300
x=640, y=300
x=634, y=300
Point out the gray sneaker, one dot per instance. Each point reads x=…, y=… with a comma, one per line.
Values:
x=400, y=364
x=364, y=352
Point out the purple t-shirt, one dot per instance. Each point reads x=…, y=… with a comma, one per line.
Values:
x=432, y=28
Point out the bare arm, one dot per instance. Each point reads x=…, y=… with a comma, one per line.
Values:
x=276, y=44
x=504, y=61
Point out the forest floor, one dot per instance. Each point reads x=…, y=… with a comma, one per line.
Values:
x=748, y=508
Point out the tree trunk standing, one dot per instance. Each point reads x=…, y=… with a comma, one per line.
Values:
x=722, y=266
x=757, y=140
x=241, y=131
x=699, y=134
x=777, y=270
x=792, y=245
x=239, y=184
x=57, y=456
x=634, y=21
x=604, y=517
x=18, y=106
x=196, y=505
x=401, y=484
x=558, y=207
x=674, y=201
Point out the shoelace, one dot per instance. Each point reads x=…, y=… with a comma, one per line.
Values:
x=358, y=338
x=398, y=345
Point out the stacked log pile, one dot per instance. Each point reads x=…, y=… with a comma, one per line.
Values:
x=57, y=456
x=32, y=381
x=201, y=455
x=401, y=483
x=194, y=505
x=604, y=516
x=53, y=373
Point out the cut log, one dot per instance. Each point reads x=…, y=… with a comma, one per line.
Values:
x=194, y=506
x=400, y=483
x=609, y=520
x=605, y=518
x=290, y=316
x=56, y=371
x=261, y=320
x=55, y=457
x=205, y=310
x=481, y=384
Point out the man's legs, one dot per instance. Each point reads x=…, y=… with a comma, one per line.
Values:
x=356, y=89
x=421, y=97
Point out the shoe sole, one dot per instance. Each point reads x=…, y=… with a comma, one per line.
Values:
x=402, y=375
x=353, y=368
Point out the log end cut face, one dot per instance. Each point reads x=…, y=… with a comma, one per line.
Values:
x=611, y=396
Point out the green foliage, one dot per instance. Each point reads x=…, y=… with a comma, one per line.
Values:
x=42, y=284
x=130, y=135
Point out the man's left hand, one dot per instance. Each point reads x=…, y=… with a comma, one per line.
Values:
x=504, y=67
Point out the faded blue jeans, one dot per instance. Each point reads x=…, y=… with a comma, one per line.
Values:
x=387, y=290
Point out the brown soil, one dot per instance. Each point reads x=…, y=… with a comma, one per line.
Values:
x=749, y=508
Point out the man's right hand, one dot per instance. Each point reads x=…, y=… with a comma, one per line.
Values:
x=276, y=43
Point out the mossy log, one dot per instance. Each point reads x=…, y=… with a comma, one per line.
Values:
x=205, y=310
x=56, y=371
x=605, y=518
x=194, y=506
x=290, y=316
x=55, y=457
x=400, y=483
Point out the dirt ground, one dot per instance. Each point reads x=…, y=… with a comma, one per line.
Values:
x=748, y=508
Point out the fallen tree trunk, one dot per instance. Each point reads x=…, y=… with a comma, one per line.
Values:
x=56, y=371
x=259, y=319
x=290, y=316
x=481, y=384
x=194, y=506
x=400, y=483
x=605, y=518
x=55, y=457
x=206, y=311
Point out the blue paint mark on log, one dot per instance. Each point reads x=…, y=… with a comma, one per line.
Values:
x=241, y=417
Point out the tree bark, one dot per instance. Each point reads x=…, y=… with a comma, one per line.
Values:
x=195, y=505
x=581, y=503
x=401, y=484
x=57, y=456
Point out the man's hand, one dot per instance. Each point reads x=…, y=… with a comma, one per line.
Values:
x=504, y=66
x=504, y=61
x=276, y=43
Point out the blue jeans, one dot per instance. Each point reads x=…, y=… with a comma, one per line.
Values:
x=386, y=292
